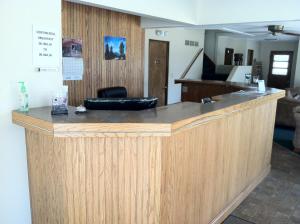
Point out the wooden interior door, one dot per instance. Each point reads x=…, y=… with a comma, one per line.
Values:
x=158, y=70
x=228, y=60
x=250, y=57
x=280, y=69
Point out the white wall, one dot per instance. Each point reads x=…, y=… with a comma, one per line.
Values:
x=210, y=44
x=206, y=12
x=240, y=45
x=224, y=42
x=255, y=46
x=16, y=19
x=175, y=10
x=150, y=22
x=179, y=57
x=217, y=41
x=237, y=74
x=268, y=46
x=236, y=11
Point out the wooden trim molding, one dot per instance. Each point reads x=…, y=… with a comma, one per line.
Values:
x=106, y=130
x=32, y=123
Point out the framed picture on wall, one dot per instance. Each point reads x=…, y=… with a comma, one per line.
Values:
x=114, y=48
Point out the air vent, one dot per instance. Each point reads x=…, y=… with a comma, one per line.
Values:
x=191, y=43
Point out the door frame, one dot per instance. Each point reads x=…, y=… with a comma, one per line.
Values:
x=228, y=49
x=289, y=75
x=167, y=67
x=252, y=57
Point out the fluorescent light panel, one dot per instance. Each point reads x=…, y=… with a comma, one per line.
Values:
x=238, y=32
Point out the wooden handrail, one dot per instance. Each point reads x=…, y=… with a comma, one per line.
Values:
x=191, y=64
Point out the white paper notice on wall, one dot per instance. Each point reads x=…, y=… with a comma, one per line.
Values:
x=45, y=47
x=72, y=68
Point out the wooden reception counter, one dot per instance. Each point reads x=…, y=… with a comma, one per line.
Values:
x=195, y=90
x=183, y=163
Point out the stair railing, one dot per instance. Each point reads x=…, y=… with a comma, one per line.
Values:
x=191, y=64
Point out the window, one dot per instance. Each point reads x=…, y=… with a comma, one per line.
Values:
x=280, y=64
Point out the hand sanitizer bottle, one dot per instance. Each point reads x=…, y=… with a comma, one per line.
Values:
x=23, y=97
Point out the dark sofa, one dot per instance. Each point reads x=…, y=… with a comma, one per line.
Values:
x=285, y=107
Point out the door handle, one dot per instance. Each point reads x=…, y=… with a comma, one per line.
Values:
x=165, y=87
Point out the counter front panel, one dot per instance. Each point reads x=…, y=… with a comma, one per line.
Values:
x=183, y=163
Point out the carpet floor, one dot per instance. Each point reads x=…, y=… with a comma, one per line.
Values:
x=284, y=137
x=277, y=199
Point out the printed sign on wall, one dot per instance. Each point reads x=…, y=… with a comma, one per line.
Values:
x=45, y=47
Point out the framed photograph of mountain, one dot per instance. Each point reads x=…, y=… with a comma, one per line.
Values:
x=114, y=48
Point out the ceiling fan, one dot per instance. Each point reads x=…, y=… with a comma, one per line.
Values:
x=274, y=30
x=279, y=29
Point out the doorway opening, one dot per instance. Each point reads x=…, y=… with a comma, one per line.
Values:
x=158, y=70
x=228, y=56
x=280, y=69
x=250, y=57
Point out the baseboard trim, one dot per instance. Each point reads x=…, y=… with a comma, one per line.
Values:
x=238, y=200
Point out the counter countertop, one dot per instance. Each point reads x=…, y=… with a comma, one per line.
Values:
x=217, y=82
x=161, y=120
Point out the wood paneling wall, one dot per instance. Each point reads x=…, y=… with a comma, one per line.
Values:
x=91, y=24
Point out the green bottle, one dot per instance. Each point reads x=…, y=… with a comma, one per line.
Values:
x=23, y=97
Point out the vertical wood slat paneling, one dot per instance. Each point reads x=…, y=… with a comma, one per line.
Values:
x=91, y=24
x=189, y=177
x=94, y=180
x=206, y=168
x=114, y=168
x=44, y=166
